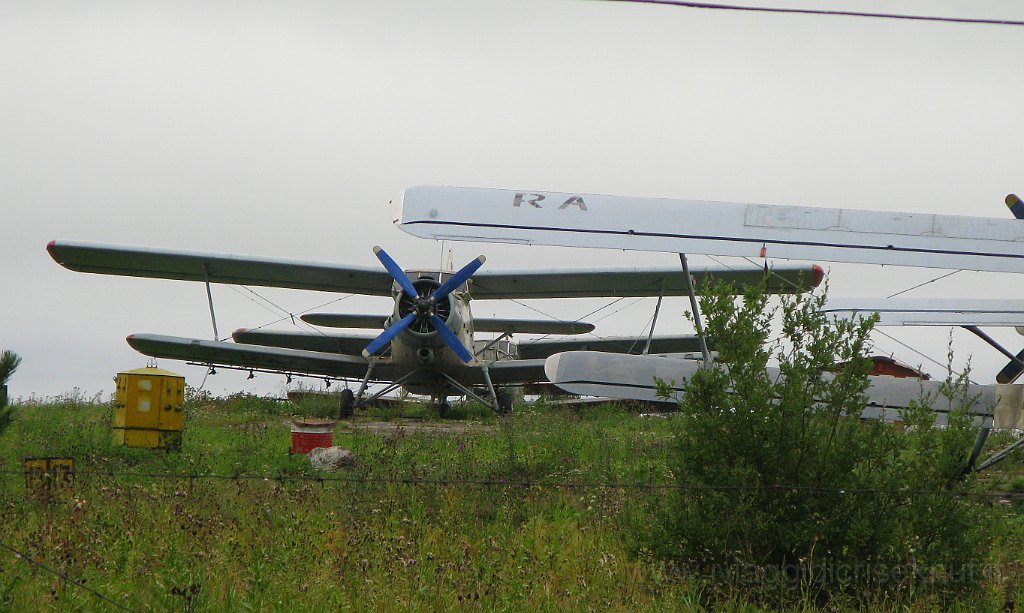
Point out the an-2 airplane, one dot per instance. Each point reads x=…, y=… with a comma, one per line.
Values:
x=427, y=343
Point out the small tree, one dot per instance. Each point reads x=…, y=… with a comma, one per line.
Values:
x=9, y=362
x=785, y=492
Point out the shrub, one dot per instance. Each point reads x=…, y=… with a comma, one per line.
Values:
x=786, y=494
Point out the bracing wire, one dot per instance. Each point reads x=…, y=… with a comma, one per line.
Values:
x=279, y=310
x=287, y=315
x=922, y=354
x=939, y=278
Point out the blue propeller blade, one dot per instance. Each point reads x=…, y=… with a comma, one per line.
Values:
x=396, y=272
x=458, y=278
x=385, y=337
x=452, y=340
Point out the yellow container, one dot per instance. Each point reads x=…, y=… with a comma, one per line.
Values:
x=148, y=408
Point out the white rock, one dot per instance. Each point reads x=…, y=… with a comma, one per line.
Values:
x=331, y=458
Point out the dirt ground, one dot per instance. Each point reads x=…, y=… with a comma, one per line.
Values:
x=415, y=425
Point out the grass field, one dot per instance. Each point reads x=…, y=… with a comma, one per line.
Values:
x=547, y=510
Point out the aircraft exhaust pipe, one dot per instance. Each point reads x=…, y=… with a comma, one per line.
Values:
x=425, y=355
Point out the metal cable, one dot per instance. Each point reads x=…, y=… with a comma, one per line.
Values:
x=939, y=278
x=927, y=357
x=830, y=13
x=611, y=485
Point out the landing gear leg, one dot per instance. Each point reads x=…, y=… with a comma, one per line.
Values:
x=365, y=382
x=492, y=402
x=495, y=401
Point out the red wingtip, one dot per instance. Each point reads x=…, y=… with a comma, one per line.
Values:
x=818, y=275
x=49, y=246
x=129, y=338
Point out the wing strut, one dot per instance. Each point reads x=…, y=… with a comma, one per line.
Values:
x=991, y=341
x=697, y=325
x=654, y=322
x=986, y=425
x=1001, y=455
x=209, y=298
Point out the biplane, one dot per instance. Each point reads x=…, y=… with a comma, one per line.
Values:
x=426, y=342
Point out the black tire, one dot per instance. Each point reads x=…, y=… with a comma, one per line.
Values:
x=443, y=408
x=504, y=403
x=348, y=401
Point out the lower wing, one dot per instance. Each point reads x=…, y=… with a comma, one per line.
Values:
x=589, y=373
x=236, y=355
x=540, y=349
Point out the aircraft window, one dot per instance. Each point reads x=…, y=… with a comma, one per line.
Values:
x=143, y=406
x=145, y=385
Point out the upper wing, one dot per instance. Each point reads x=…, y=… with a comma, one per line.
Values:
x=714, y=228
x=219, y=268
x=352, y=344
x=932, y=311
x=480, y=324
x=616, y=344
x=296, y=274
x=530, y=326
x=582, y=283
x=345, y=320
x=237, y=355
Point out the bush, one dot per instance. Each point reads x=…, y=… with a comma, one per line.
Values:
x=787, y=495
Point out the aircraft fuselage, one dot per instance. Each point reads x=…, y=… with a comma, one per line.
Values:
x=419, y=349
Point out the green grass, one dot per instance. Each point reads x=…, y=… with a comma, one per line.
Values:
x=427, y=520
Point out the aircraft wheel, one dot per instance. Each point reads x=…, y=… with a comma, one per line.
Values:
x=504, y=403
x=443, y=408
x=348, y=401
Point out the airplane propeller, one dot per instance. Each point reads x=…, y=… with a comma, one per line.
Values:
x=423, y=309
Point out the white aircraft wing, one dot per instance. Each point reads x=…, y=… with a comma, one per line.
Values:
x=591, y=373
x=714, y=228
x=219, y=268
x=932, y=311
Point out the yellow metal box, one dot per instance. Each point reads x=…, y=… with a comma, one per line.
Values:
x=148, y=408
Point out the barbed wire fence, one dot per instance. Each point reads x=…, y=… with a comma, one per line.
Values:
x=13, y=474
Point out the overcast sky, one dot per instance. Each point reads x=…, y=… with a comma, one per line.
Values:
x=283, y=129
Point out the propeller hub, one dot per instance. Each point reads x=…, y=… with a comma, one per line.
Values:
x=423, y=306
